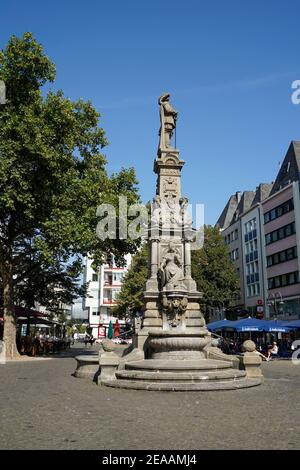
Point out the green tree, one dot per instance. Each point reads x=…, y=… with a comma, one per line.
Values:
x=52, y=179
x=214, y=272
x=130, y=298
x=81, y=328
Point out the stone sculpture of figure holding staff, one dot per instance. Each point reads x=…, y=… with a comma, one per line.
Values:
x=168, y=117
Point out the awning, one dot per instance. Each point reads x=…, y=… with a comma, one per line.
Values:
x=249, y=324
x=219, y=325
x=293, y=324
x=254, y=324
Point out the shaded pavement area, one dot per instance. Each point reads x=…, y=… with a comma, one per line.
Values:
x=43, y=406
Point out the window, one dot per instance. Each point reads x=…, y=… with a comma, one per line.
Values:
x=282, y=257
x=283, y=280
x=95, y=277
x=281, y=233
x=289, y=231
x=291, y=253
x=268, y=238
x=292, y=278
x=95, y=313
x=279, y=211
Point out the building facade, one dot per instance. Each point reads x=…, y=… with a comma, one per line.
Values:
x=282, y=237
x=268, y=226
x=103, y=288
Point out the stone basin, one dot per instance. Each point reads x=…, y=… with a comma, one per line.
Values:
x=87, y=367
x=176, y=344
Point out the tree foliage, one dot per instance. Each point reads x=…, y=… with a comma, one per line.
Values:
x=130, y=299
x=52, y=179
x=213, y=271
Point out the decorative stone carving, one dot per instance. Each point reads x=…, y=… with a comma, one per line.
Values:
x=249, y=346
x=174, y=307
x=170, y=188
x=169, y=172
x=156, y=210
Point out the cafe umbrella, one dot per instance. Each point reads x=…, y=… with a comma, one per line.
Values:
x=110, y=333
x=292, y=324
x=219, y=325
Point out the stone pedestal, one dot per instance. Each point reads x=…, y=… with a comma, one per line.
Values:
x=109, y=363
x=252, y=365
x=251, y=360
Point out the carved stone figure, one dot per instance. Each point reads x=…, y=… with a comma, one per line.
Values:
x=168, y=117
x=174, y=308
x=156, y=210
x=170, y=272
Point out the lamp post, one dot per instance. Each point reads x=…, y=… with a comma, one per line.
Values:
x=2, y=92
x=219, y=305
x=274, y=300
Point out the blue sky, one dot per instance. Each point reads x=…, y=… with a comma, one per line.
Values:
x=228, y=66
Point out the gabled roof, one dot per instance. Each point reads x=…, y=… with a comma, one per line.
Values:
x=262, y=192
x=290, y=168
x=227, y=214
x=244, y=204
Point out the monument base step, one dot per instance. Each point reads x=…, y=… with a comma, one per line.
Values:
x=173, y=365
x=181, y=375
x=183, y=387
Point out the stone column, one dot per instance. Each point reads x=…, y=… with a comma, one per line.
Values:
x=187, y=259
x=154, y=259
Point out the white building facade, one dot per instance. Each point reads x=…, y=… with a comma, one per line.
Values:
x=253, y=259
x=104, y=286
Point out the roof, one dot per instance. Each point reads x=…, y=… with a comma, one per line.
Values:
x=228, y=211
x=262, y=192
x=290, y=168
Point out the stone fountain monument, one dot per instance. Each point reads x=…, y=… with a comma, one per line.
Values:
x=174, y=349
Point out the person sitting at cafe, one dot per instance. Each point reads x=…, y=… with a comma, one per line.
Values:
x=272, y=351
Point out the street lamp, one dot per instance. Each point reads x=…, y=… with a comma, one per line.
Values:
x=219, y=305
x=274, y=300
x=2, y=92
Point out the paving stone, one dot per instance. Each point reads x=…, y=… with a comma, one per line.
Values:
x=43, y=406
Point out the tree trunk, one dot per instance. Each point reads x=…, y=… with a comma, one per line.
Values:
x=10, y=323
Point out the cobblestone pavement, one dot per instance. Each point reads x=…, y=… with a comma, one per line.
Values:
x=42, y=406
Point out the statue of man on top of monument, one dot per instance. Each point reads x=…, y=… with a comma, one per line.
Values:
x=168, y=118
